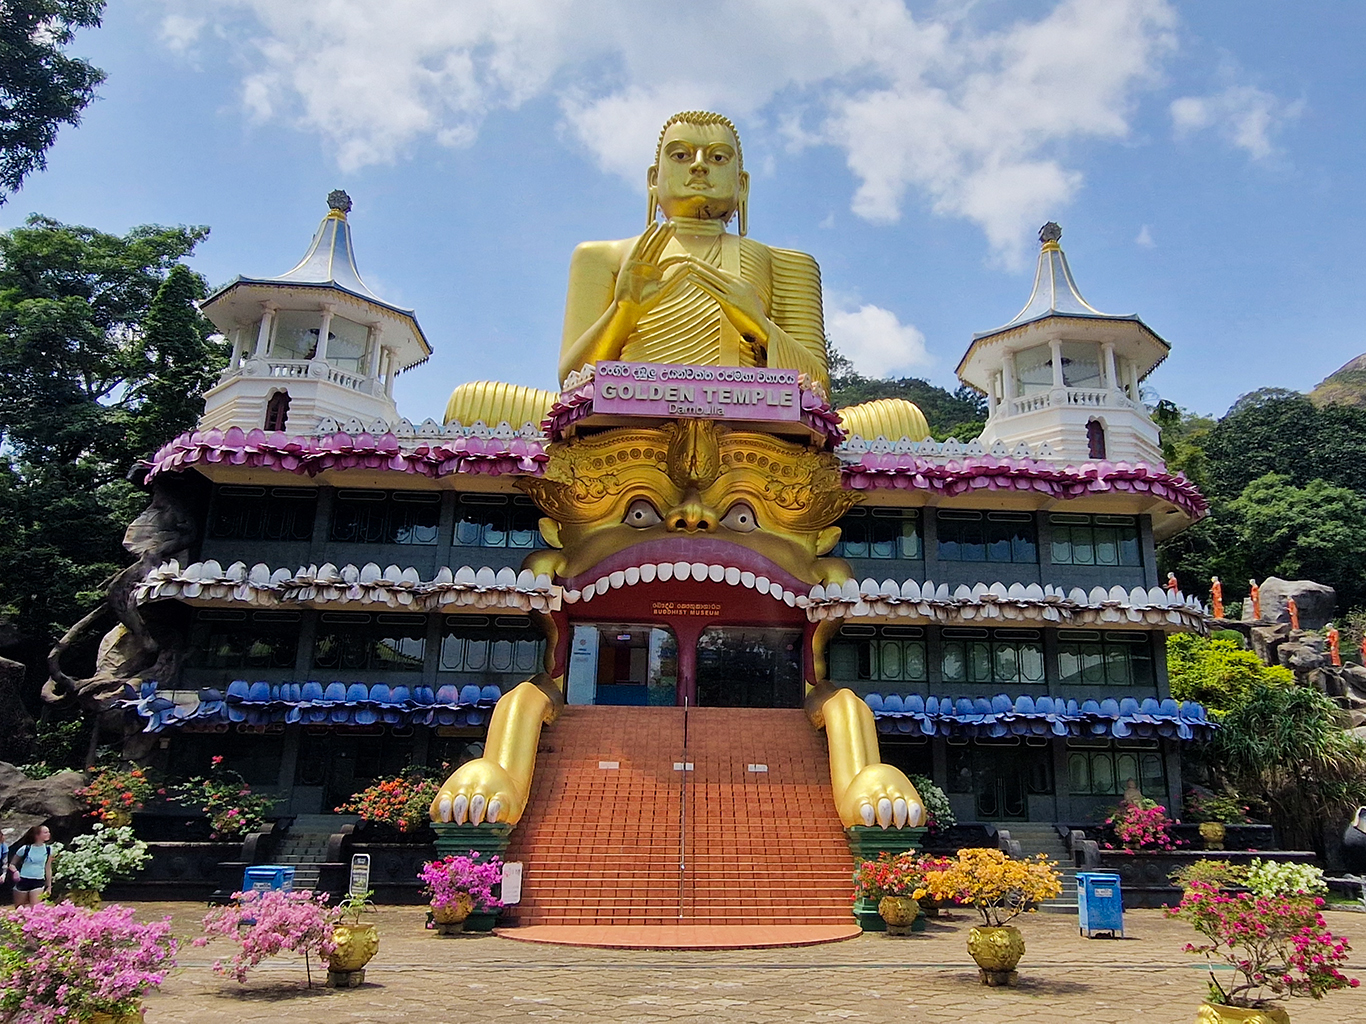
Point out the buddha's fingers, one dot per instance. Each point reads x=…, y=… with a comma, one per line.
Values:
x=653, y=240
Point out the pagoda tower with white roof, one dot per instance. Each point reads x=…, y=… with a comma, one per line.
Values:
x=1063, y=373
x=312, y=345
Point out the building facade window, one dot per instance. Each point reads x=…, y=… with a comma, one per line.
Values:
x=1107, y=770
x=499, y=644
x=359, y=641
x=991, y=656
x=1112, y=658
x=879, y=654
x=1095, y=439
x=967, y=536
x=497, y=521
x=277, y=411
x=386, y=517
x=880, y=533
x=223, y=639
x=1095, y=540
x=263, y=513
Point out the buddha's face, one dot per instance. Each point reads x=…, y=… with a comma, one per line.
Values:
x=757, y=508
x=698, y=173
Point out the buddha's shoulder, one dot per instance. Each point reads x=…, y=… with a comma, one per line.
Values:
x=611, y=251
x=788, y=260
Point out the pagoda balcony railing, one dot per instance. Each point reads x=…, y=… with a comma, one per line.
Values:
x=1086, y=398
x=305, y=369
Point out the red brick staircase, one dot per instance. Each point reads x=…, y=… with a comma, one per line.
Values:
x=602, y=845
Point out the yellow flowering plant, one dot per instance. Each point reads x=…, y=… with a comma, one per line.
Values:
x=999, y=887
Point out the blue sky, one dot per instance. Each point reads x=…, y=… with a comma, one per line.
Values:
x=1204, y=159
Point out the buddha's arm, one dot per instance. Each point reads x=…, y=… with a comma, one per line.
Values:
x=799, y=344
x=595, y=325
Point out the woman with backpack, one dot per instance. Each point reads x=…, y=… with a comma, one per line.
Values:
x=31, y=866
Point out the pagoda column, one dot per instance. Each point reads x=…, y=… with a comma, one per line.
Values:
x=1008, y=388
x=1107, y=363
x=991, y=394
x=389, y=372
x=373, y=342
x=1055, y=347
x=264, y=331
x=324, y=329
x=1132, y=368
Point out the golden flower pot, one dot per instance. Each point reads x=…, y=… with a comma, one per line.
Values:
x=356, y=946
x=1217, y=1013
x=1213, y=832
x=899, y=912
x=108, y=1018
x=117, y=819
x=87, y=898
x=450, y=920
x=996, y=951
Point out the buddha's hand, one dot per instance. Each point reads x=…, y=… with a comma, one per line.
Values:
x=881, y=795
x=642, y=281
x=738, y=299
x=478, y=791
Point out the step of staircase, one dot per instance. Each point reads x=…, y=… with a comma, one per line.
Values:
x=1042, y=838
x=603, y=845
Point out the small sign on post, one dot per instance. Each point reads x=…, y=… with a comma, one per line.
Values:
x=360, y=874
x=512, y=883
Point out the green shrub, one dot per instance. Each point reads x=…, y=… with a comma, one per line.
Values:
x=1229, y=634
x=1218, y=673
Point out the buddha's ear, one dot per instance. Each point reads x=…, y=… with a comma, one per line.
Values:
x=742, y=204
x=652, y=189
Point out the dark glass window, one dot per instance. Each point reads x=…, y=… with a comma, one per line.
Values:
x=357, y=641
x=263, y=513
x=1095, y=439
x=966, y=536
x=503, y=643
x=879, y=654
x=497, y=521
x=1106, y=771
x=880, y=533
x=991, y=656
x=237, y=639
x=386, y=517
x=1095, y=540
x=277, y=411
x=1112, y=658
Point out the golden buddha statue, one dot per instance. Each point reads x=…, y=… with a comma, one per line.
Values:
x=687, y=291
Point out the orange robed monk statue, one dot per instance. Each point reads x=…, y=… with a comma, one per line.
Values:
x=1294, y=611
x=1255, y=596
x=1172, y=586
x=1334, y=640
x=1216, y=596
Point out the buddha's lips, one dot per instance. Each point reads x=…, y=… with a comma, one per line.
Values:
x=692, y=550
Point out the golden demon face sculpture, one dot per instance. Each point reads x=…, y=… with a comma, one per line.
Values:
x=690, y=491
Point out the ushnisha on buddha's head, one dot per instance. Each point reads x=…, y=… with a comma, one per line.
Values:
x=699, y=170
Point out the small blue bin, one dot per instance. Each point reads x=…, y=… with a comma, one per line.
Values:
x=268, y=876
x=1100, y=904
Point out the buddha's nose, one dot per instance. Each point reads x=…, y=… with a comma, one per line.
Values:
x=699, y=162
x=691, y=516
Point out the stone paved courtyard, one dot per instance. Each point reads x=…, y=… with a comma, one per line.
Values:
x=420, y=977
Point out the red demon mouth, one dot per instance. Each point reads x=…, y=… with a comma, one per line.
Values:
x=694, y=558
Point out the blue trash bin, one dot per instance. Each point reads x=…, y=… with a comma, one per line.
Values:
x=1100, y=904
x=268, y=876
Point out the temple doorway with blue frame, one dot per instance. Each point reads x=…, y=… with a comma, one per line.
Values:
x=621, y=663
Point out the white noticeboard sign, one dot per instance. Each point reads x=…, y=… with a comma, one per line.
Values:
x=360, y=873
x=512, y=883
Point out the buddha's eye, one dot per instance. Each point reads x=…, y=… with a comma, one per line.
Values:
x=641, y=514
x=740, y=518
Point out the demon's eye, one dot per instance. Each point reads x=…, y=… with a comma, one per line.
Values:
x=740, y=518
x=642, y=514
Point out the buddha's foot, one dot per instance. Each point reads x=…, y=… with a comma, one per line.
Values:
x=478, y=791
x=882, y=795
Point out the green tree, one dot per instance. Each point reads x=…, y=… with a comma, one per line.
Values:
x=1285, y=746
x=41, y=88
x=959, y=413
x=81, y=402
x=1218, y=673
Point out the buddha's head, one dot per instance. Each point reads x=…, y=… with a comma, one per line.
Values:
x=699, y=169
x=694, y=492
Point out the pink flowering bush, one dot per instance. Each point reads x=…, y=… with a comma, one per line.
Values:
x=1142, y=828
x=1277, y=945
x=266, y=923
x=446, y=879
x=233, y=809
x=60, y=963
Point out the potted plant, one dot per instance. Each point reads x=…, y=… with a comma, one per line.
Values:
x=60, y=963
x=233, y=809
x=1000, y=888
x=1276, y=946
x=401, y=802
x=1213, y=813
x=356, y=944
x=1220, y=874
x=939, y=816
x=460, y=888
x=1280, y=878
x=267, y=922
x=1142, y=827
x=885, y=892
x=93, y=860
x=114, y=795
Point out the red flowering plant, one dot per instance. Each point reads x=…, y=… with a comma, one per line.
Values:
x=402, y=801
x=1276, y=945
x=233, y=809
x=114, y=795
x=899, y=875
x=1142, y=828
x=266, y=923
x=451, y=877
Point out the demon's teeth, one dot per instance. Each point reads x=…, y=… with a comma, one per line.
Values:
x=682, y=570
x=789, y=599
x=700, y=570
x=666, y=571
x=732, y=575
x=603, y=585
x=571, y=596
x=761, y=584
x=631, y=575
x=747, y=579
x=589, y=591
x=715, y=573
x=647, y=573
x=776, y=589
x=616, y=579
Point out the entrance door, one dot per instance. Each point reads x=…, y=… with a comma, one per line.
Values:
x=743, y=667
x=622, y=663
x=1001, y=777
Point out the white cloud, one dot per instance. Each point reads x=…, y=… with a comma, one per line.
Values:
x=1244, y=115
x=1145, y=238
x=975, y=121
x=874, y=339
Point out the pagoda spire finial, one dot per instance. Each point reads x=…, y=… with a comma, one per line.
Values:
x=1050, y=232
x=339, y=202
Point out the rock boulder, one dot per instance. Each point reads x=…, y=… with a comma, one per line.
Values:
x=26, y=802
x=1317, y=602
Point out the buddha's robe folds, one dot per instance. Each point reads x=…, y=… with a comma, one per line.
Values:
x=689, y=327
